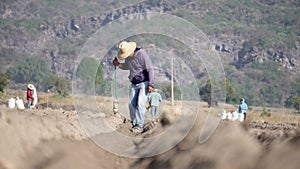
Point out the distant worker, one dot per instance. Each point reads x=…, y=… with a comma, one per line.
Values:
x=31, y=96
x=243, y=107
x=154, y=99
x=141, y=75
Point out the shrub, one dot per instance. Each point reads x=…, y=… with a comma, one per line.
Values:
x=296, y=102
x=90, y=73
x=265, y=113
x=33, y=69
x=296, y=87
x=59, y=85
x=206, y=91
x=3, y=81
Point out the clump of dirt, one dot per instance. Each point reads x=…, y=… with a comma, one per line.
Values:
x=271, y=133
x=231, y=146
x=54, y=139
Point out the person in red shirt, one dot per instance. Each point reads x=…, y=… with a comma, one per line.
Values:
x=30, y=88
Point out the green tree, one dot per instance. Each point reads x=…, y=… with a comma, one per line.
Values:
x=294, y=99
x=4, y=79
x=231, y=95
x=271, y=94
x=33, y=69
x=60, y=85
x=166, y=88
x=102, y=86
x=90, y=74
x=263, y=84
x=296, y=102
x=296, y=87
x=104, y=89
x=86, y=72
x=99, y=80
x=206, y=91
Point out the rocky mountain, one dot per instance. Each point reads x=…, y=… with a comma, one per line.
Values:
x=35, y=28
x=242, y=32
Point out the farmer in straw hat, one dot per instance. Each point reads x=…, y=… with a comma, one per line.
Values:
x=141, y=76
x=30, y=88
x=31, y=96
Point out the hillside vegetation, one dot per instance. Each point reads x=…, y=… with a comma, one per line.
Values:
x=257, y=40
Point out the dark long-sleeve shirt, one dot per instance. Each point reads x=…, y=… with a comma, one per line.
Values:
x=29, y=95
x=140, y=67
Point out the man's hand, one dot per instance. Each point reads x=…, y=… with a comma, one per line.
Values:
x=115, y=62
x=150, y=89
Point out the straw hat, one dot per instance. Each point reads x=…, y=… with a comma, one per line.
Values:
x=30, y=86
x=125, y=49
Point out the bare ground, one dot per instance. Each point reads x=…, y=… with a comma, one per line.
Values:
x=54, y=139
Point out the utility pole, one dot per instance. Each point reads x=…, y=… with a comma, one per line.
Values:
x=172, y=80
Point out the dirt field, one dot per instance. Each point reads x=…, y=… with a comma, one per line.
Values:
x=53, y=138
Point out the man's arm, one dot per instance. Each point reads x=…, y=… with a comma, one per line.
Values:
x=150, y=70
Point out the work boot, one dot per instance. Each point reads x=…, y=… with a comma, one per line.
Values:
x=137, y=129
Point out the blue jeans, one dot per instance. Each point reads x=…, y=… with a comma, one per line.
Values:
x=154, y=111
x=137, y=106
x=29, y=102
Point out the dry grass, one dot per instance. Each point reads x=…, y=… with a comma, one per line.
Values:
x=55, y=99
x=166, y=107
x=273, y=115
x=277, y=115
x=42, y=97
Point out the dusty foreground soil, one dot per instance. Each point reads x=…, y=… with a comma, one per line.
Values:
x=54, y=139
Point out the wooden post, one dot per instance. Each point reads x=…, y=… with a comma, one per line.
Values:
x=172, y=80
x=48, y=92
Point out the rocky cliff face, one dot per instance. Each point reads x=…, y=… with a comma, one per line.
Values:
x=233, y=49
x=59, y=39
